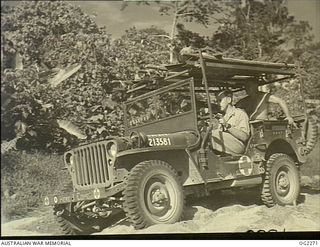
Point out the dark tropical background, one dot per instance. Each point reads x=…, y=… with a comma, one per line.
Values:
x=59, y=69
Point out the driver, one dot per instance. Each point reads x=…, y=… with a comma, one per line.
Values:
x=233, y=128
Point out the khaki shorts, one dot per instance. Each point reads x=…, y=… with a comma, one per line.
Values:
x=227, y=143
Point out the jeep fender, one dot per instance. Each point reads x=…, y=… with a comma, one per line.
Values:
x=285, y=147
x=179, y=158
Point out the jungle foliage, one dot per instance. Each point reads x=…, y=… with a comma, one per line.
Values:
x=63, y=38
x=57, y=38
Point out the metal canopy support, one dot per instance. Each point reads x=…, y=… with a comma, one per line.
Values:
x=205, y=82
x=250, y=68
x=264, y=82
x=176, y=75
x=302, y=92
x=221, y=59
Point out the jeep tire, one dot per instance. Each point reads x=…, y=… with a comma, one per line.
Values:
x=310, y=129
x=153, y=194
x=281, y=183
x=72, y=224
x=66, y=227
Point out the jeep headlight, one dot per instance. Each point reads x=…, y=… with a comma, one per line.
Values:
x=112, y=149
x=69, y=159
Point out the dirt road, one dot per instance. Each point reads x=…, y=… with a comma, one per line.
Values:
x=233, y=211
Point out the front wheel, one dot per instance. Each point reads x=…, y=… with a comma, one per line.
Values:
x=281, y=183
x=69, y=223
x=79, y=223
x=153, y=195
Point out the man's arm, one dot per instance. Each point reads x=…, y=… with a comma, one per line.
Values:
x=242, y=130
x=284, y=107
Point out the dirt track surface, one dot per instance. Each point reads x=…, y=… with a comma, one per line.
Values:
x=232, y=211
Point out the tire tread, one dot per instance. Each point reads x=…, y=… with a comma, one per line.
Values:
x=130, y=193
x=266, y=195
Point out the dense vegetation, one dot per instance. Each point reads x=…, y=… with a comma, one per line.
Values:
x=26, y=179
x=34, y=98
x=56, y=37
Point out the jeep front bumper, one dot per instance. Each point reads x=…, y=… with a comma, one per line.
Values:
x=91, y=194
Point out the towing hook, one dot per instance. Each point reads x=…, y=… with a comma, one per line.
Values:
x=59, y=213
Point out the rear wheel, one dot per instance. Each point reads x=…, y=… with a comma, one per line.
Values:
x=310, y=129
x=153, y=195
x=281, y=183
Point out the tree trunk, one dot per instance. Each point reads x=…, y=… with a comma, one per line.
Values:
x=173, y=33
x=248, y=12
x=260, y=49
x=264, y=88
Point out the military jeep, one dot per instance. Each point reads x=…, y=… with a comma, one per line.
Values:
x=166, y=153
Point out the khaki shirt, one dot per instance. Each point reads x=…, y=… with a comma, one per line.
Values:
x=238, y=119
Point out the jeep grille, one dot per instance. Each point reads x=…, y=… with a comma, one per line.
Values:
x=90, y=163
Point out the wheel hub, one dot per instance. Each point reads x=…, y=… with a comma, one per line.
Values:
x=283, y=182
x=159, y=197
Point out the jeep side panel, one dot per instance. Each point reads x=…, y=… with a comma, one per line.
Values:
x=271, y=136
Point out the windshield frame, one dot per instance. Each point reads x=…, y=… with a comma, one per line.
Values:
x=187, y=82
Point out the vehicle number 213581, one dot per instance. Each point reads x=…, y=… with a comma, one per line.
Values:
x=159, y=141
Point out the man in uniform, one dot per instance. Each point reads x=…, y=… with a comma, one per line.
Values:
x=233, y=130
x=256, y=103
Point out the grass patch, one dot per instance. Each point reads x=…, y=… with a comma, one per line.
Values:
x=26, y=179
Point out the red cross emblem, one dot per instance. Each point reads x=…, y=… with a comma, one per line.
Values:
x=245, y=165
